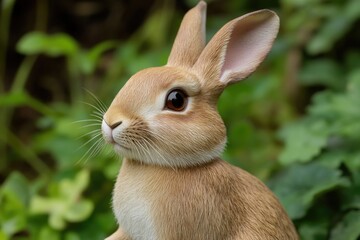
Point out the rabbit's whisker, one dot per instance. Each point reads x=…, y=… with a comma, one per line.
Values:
x=101, y=105
x=91, y=125
x=87, y=120
x=90, y=140
x=100, y=110
x=86, y=156
x=89, y=133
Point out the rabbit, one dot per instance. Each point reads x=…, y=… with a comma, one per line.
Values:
x=172, y=184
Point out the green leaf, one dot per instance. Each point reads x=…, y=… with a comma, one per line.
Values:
x=79, y=211
x=6, y=4
x=39, y=205
x=57, y=221
x=14, y=201
x=3, y=236
x=14, y=224
x=352, y=162
x=351, y=196
x=353, y=86
x=66, y=204
x=53, y=45
x=13, y=99
x=89, y=59
x=299, y=185
x=299, y=3
x=322, y=71
x=47, y=233
x=72, y=189
x=72, y=236
x=329, y=33
x=352, y=9
x=303, y=140
x=313, y=231
x=348, y=228
x=17, y=186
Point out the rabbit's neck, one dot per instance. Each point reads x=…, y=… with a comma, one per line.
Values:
x=188, y=159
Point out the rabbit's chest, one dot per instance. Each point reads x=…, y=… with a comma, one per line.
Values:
x=133, y=211
x=164, y=204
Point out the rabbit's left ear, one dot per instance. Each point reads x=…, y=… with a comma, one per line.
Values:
x=238, y=48
x=190, y=39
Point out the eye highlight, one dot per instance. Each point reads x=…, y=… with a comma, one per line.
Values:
x=176, y=100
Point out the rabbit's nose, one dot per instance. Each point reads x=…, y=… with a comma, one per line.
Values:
x=114, y=125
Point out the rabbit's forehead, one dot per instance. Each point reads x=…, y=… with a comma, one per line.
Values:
x=148, y=88
x=155, y=80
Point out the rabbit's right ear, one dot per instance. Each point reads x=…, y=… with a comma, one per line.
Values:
x=237, y=48
x=190, y=39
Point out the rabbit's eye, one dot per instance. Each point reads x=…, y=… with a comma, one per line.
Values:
x=176, y=100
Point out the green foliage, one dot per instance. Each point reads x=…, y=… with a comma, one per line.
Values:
x=54, y=46
x=14, y=200
x=303, y=184
x=322, y=153
x=64, y=203
x=348, y=228
x=58, y=178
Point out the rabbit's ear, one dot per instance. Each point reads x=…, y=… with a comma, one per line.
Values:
x=238, y=48
x=190, y=39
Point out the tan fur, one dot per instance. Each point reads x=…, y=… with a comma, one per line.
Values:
x=190, y=40
x=240, y=206
x=172, y=184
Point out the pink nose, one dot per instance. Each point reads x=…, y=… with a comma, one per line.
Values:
x=107, y=131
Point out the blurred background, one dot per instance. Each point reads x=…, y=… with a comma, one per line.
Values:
x=295, y=123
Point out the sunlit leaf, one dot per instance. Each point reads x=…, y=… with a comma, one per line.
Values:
x=56, y=221
x=53, y=45
x=79, y=211
x=3, y=236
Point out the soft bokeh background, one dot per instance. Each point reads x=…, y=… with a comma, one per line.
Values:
x=295, y=123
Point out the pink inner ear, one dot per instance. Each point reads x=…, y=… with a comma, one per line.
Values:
x=250, y=41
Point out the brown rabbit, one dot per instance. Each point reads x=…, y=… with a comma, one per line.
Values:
x=172, y=184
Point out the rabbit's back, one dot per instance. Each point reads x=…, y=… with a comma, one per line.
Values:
x=214, y=201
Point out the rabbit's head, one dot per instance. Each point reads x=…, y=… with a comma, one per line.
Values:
x=167, y=115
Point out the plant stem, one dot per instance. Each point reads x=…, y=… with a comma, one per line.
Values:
x=23, y=73
x=28, y=154
x=3, y=126
x=6, y=6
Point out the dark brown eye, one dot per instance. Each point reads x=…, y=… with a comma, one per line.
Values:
x=176, y=100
